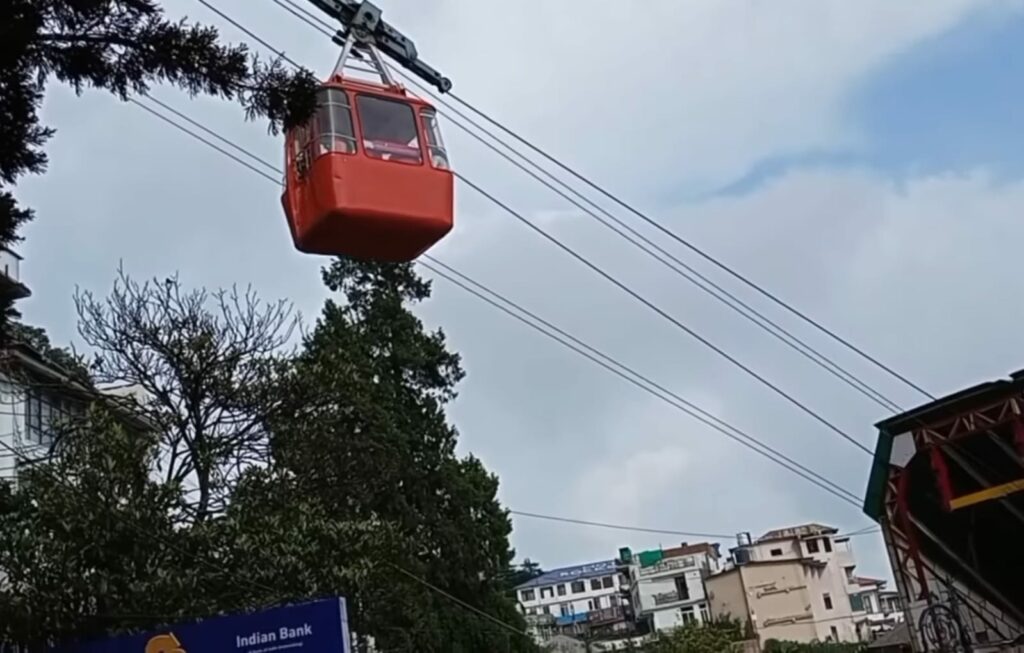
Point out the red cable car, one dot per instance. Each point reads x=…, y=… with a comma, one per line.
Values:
x=368, y=177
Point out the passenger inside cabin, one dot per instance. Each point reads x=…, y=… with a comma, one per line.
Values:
x=389, y=129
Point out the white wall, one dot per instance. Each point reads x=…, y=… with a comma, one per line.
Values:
x=578, y=603
x=662, y=580
x=12, y=430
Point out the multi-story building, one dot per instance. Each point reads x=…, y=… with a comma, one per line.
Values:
x=667, y=585
x=581, y=600
x=791, y=584
x=11, y=287
x=876, y=609
x=36, y=392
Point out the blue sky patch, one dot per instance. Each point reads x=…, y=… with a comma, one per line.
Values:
x=951, y=103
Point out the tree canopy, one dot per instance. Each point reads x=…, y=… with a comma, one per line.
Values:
x=330, y=469
x=123, y=47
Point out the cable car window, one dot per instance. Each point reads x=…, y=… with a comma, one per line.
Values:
x=297, y=156
x=389, y=129
x=334, y=122
x=435, y=144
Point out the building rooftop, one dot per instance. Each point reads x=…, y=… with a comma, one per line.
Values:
x=864, y=581
x=569, y=574
x=25, y=358
x=685, y=549
x=791, y=532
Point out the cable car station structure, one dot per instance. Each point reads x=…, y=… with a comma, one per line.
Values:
x=947, y=487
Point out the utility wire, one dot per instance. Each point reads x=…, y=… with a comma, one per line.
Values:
x=622, y=370
x=638, y=297
x=325, y=27
x=660, y=531
x=593, y=354
x=631, y=235
x=664, y=314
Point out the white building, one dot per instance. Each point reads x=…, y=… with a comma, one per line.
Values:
x=878, y=610
x=36, y=393
x=667, y=585
x=792, y=584
x=574, y=600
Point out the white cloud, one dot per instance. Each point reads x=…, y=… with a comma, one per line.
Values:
x=669, y=95
x=904, y=271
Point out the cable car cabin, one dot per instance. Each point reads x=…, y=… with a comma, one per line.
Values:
x=368, y=177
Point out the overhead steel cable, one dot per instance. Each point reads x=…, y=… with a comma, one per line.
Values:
x=702, y=254
x=325, y=27
x=595, y=355
x=666, y=315
x=634, y=294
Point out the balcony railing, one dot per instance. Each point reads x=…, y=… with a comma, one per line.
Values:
x=667, y=597
x=670, y=564
x=540, y=619
x=605, y=615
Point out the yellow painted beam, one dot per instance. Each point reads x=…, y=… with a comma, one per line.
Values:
x=988, y=494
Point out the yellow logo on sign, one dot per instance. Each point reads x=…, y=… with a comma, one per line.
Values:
x=164, y=644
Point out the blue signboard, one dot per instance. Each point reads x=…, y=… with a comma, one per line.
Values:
x=314, y=627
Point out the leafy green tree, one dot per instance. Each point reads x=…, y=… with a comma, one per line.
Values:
x=87, y=543
x=714, y=637
x=356, y=490
x=370, y=386
x=123, y=47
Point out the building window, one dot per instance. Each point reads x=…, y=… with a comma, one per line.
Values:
x=776, y=553
x=686, y=614
x=565, y=609
x=835, y=633
x=613, y=600
x=561, y=590
x=705, y=615
x=527, y=595
x=812, y=546
x=595, y=584
x=682, y=589
x=578, y=587
x=547, y=592
x=546, y=609
x=608, y=581
x=43, y=413
x=594, y=603
x=827, y=542
x=828, y=601
x=850, y=578
x=857, y=602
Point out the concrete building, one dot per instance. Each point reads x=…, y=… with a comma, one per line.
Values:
x=791, y=584
x=36, y=393
x=876, y=609
x=666, y=586
x=11, y=287
x=583, y=599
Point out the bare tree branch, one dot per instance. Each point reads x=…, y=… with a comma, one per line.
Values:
x=207, y=362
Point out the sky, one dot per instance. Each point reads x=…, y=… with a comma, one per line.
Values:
x=861, y=160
